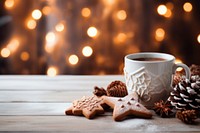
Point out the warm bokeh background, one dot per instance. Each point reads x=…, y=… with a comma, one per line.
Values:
x=93, y=36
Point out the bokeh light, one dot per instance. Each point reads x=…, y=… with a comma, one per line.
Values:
x=52, y=71
x=168, y=14
x=121, y=15
x=86, y=12
x=9, y=4
x=159, y=34
x=92, y=32
x=50, y=37
x=87, y=51
x=178, y=61
x=24, y=56
x=60, y=27
x=36, y=14
x=31, y=24
x=198, y=38
x=73, y=59
x=46, y=10
x=187, y=7
x=13, y=45
x=5, y=52
x=162, y=9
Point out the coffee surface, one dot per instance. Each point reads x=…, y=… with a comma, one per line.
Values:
x=149, y=59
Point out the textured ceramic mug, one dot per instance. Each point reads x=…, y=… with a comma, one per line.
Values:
x=151, y=80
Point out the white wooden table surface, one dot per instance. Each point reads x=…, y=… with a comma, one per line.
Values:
x=37, y=103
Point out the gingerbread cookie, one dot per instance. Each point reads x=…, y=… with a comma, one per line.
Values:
x=126, y=106
x=87, y=106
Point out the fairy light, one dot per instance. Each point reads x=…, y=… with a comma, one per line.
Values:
x=198, y=38
x=9, y=4
x=168, y=14
x=159, y=34
x=162, y=9
x=31, y=24
x=121, y=15
x=36, y=14
x=92, y=32
x=46, y=10
x=86, y=12
x=52, y=71
x=73, y=59
x=24, y=56
x=187, y=7
x=13, y=45
x=87, y=51
x=60, y=27
x=176, y=62
x=120, y=38
x=5, y=52
x=50, y=41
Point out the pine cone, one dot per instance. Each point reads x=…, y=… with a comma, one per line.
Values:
x=195, y=69
x=99, y=91
x=187, y=116
x=163, y=109
x=178, y=77
x=117, y=89
x=186, y=95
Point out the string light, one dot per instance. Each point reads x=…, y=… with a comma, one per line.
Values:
x=24, y=56
x=52, y=71
x=121, y=15
x=73, y=59
x=46, y=10
x=5, y=52
x=9, y=4
x=92, y=32
x=60, y=27
x=86, y=12
x=87, y=51
x=176, y=62
x=159, y=34
x=168, y=13
x=162, y=9
x=13, y=45
x=187, y=7
x=198, y=38
x=36, y=14
x=50, y=41
x=31, y=24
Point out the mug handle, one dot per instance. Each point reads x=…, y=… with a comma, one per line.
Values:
x=185, y=67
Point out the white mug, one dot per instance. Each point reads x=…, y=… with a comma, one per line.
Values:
x=149, y=74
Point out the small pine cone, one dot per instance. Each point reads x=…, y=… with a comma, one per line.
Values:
x=186, y=95
x=99, y=91
x=117, y=89
x=195, y=69
x=187, y=116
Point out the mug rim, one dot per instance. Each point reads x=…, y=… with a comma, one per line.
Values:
x=167, y=57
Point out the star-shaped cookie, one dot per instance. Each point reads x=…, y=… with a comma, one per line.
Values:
x=128, y=105
x=87, y=106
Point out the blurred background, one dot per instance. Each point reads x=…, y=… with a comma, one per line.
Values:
x=92, y=36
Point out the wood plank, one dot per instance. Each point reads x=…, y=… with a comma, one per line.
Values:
x=42, y=96
x=99, y=124
x=55, y=83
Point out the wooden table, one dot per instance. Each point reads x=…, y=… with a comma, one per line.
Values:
x=37, y=103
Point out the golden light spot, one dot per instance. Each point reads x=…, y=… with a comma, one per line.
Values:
x=187, y=7
x=46, y=10
x=176, y=62
x=92, y=32
x=168, y=13
x=162, y=9
x=159, y=34
x=52, y=71
x=87, y=51
x=86, y=12
x=36, y=14
x=170, y=5
x=50, y=37
x=73, y=59
x=60, y=27
x=120, y=38
x=5, y=52
x=198, y=38
x=9, y=4
x=31, y=24
x=24, y=56
x=121, y=15
x=13, y=45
